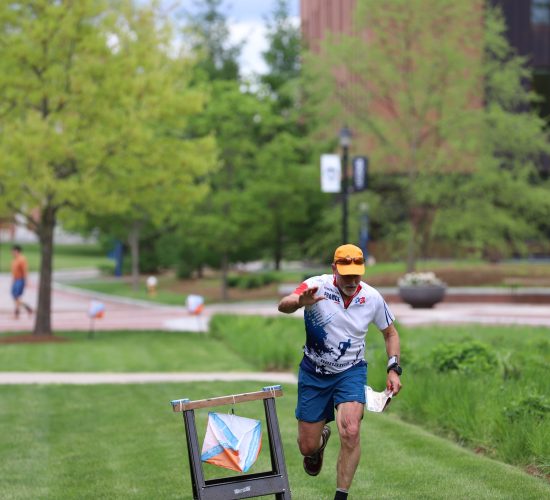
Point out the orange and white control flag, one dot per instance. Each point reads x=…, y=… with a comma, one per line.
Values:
x=231, y=441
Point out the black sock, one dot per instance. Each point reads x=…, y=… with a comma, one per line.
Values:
x=341, y=495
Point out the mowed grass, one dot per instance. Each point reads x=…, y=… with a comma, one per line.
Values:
x=123, y=352
x=501, y=409
x=124, y=441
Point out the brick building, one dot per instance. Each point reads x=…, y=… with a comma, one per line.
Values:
x=528, y=31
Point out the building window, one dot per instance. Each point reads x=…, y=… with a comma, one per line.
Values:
x=540, y=12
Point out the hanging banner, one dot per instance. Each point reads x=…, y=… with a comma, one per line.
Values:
x=331, y=174
x=360, y=172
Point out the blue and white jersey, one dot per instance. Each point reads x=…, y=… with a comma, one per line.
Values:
x=336, y=327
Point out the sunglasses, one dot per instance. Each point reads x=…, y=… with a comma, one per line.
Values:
x=346, y=261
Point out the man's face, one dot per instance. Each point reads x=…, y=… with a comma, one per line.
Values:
x=346, y=283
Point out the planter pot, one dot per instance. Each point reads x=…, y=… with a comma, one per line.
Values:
x=422, y=296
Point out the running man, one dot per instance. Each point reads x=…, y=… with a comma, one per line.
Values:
x=19, y=271
x=333, y=371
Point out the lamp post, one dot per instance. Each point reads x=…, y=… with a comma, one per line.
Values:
x=345, y=141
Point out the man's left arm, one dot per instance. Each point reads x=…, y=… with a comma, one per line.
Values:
x=391, y=338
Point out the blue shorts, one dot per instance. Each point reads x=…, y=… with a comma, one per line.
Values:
x=318, y=395
x=17, y=288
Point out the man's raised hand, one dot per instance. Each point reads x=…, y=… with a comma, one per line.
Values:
x=308, y=297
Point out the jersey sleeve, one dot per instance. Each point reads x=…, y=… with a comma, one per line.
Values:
x=310, y=282
x=302, y=287
x=383, y=317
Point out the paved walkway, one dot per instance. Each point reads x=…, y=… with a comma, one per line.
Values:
x=70, y=312
x=81, y=378
x=70, y=307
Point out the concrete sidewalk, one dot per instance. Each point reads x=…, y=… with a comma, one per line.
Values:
x=70, y=307
x=31, y=378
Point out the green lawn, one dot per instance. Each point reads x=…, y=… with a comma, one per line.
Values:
x=123, y=352
x=498, y=402
x=124, y=441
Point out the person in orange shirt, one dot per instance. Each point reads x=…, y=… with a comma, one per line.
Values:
x=19, y=270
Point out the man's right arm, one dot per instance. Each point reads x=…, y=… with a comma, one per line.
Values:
x=291, y=303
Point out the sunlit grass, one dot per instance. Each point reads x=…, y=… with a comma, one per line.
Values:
x=124, y=441
x=123, y=352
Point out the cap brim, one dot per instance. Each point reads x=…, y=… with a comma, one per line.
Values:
x=346, y=270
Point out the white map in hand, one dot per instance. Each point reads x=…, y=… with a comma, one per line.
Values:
x=377, y=401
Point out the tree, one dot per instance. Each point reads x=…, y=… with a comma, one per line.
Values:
x=160, y=176
x=91, y=107
x=236, y=119
x=410, y=79
x=282, y=55
x=264, y=195
x=208, y=37
x=286, y=185
x=504, y=204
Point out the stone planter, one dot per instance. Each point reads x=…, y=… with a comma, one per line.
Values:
x=422, y=296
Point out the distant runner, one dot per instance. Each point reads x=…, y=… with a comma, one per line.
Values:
x=19, y=271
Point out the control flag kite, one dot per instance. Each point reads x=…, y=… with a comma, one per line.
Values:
x=231, y=441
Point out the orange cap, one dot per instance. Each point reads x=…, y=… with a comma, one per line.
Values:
x=352, y=253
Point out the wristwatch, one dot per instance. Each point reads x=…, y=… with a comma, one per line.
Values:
x=393, y=364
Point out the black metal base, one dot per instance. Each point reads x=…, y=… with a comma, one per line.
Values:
x=245, y=486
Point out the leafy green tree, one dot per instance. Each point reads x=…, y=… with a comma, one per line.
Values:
x=286, y=187
x=265, y=193
x=207, y=33
x=505, y=204
x=159, y=177
x=282, y=55
x=410, y=81
x=235, y=117
x=91, y=117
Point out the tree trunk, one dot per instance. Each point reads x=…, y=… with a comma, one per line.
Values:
x=412, y=209
x=133, y=240
x=225, y=287
x=420, y=219
x=42, y=324
x=411, y=249
x=278, y=255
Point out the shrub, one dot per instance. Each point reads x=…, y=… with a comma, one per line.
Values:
x=252, y=280
x=534, y=405
x=508, y=367
x=469, y=356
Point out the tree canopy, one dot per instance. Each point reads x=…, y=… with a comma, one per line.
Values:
x=93, y=108
x=428, y=94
